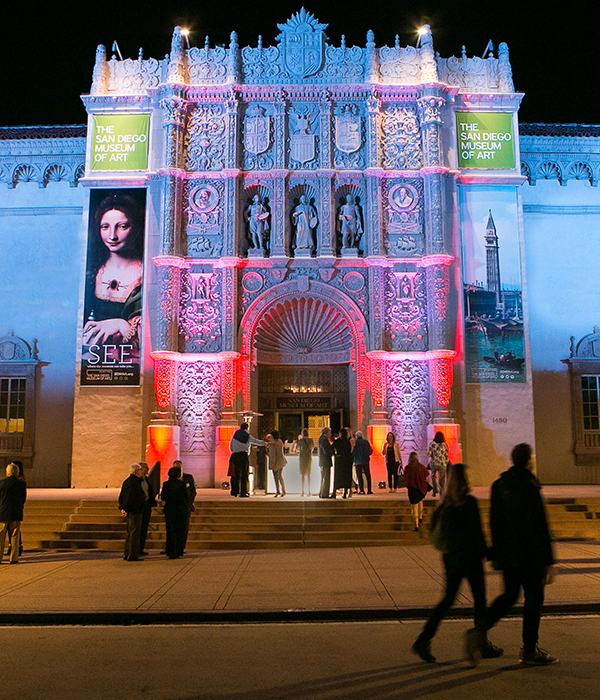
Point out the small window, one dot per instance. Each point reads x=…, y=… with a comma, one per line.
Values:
x=12, y=404
x=589, y=395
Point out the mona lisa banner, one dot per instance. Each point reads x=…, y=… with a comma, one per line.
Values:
x=113, y=288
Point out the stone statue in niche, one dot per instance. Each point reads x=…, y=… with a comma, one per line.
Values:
x=305, y=220
x=350, y=223
x=257, y=216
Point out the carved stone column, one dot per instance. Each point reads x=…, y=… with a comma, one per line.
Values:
x=326, y=109
x=441, y=335
x=232, y=105
x=326, y=230
x=278, y=242
x=169, y=270
x=430, y=106
x=377, y=295
x=174, y=111
x=229, y=290
x=279, y=107
x=373, y=107
x=100, y=74
x=373, y=225
x=434, y=213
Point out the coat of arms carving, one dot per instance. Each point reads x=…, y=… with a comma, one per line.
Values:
x=347, y=129
x=302, y=144
x=256, y=130
x=302, y=42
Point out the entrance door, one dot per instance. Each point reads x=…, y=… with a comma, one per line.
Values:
x=290, y=426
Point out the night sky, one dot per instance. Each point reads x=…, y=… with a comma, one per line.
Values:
x=47, y=48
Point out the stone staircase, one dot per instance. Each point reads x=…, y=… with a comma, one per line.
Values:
x=260, y=523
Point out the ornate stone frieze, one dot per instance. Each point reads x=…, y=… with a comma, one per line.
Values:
x=207, y=66
x=198, y=405
x=165, y=380
x=206, y=138
x=303, y=140
x=344, y=63
x=399, y=64
x=441, y=379
x=406, y=311
x=200, y=315
x=258, y=139
x=348, y=131
x=408, y=403
x=402, y=142
x=205, y=216
x=477, y=74
x=169, y=286
x=403, y=207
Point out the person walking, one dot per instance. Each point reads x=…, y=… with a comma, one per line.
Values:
x=21, y=477
x=239, y=446
x=415, y=480
x=522, y=550
x=306, y=446
x=150, y=503
x=13, y=494
x=131, y=502
x=438, y=463
x=393, y=461
x=277, y=462
x=342, y=475
x=456, y=531
x=174, y=495
x=325, y=453
x=361, y=454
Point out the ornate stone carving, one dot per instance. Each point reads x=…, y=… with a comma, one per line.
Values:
x=348, y=139
x=399, y=65
x=165, y=381
x=177, y=67
x=206, y=138
x=207, y=66
x=403, y=203
x=432, y=185
x=100, y=74
x=344, y=63
x=350, y=219
x=406, y=320
x=257, y=216
x=302, y=44
x=257, y=139
x=477, y=74
x=408, y=403
x=169, y=285
x=305, y=220
x=205, y=219
x=303, y=121
x=441, y=379
x=259, y=64
x=200, y=314
x=198, y=404
x=402, y=148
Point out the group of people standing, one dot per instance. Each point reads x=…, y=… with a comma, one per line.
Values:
x=138, y=497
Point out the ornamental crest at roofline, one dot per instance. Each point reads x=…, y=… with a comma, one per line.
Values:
x=302, y=43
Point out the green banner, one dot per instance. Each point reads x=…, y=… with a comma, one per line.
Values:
x=120, y=142
x=485, y=141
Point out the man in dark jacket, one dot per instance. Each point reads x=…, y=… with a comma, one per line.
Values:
x=361, y=453
x=190, y=489
x=13, y=493
x=132, y=500
x=150, y=502
x=325, y=451
x=522, y=550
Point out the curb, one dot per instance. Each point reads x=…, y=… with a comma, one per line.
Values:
x=186, y=617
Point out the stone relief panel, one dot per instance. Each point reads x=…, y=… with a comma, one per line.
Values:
x=205, y=217
x=399, y=65
x=407, y=403
x=303, y=139
x=402, y=140
x=403, y=217
x=344, y=63
x=200, y=315
x=258, y=138
x=206, y=138
x=198, y=405
x=206, y=65
x=348, y=137
x=406, y=311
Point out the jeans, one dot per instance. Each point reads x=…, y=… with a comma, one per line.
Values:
x=458, y=567
x=438, y=481
x=532, y=580
x=392, y=470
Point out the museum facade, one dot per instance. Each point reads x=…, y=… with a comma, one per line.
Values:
x=304, y=234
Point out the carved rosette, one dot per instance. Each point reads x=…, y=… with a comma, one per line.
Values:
x=198, y=405
x=165, y=381
x=407, y=403
x=441, y=379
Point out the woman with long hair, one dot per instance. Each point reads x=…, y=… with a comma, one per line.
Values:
x=463, y=547
x=393, y=461
x=415, y=480
x=342, y=462
x=438, y=462
x=277, y=461
x=114, y=279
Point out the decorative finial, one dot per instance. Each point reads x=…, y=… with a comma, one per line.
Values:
x=464, y=53
x=505, y=76
x=100, y=74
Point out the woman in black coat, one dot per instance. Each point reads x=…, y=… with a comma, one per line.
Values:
x=175, y=499
x=342, y=478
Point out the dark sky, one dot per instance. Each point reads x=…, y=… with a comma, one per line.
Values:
x=47, y=48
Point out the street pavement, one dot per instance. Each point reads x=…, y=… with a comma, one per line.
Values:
x=349, y=661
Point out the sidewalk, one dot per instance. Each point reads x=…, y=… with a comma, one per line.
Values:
x=260, y=585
